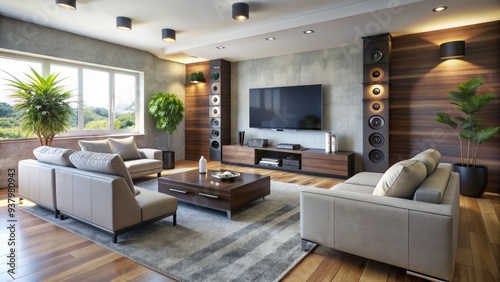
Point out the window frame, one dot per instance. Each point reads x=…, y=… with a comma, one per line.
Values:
x=46, y=63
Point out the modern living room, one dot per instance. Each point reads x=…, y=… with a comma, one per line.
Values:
x=332, y=56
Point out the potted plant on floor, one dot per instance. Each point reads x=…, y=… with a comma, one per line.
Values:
x=168, y=111
x=42, y=105
x=471, y=133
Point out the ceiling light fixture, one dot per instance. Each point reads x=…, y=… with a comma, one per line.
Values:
x=270, y=38
x=168, y=35
x=451, y=50
x=241, y=11
x=123, y=23
x=309, y=31
x=66, y=4
x=220, y=47
x=439, y=9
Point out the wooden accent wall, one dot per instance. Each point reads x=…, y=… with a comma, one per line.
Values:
x=197, y=129
x=419, y=84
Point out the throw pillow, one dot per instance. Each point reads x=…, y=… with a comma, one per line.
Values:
x=97, y=146
x=103, y=163
x=125, y=147
x=430, y=158
x=401, y=180
x=52, y=155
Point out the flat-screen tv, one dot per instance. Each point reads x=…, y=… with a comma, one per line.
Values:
x=289, y=107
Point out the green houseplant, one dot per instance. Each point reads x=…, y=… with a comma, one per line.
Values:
x=168, y=111
x=471, y=133
x=196, y=77
x=42, y=105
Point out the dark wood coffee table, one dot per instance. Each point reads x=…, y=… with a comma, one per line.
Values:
x=207, y=191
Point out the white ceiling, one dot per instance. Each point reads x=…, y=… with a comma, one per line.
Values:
x=202, y=25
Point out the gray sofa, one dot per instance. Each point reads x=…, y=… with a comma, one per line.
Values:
x=94, y=188
x=416, y=230
x=139, y=161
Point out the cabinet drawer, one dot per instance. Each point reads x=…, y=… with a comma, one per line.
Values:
x=238, y=154
x=204, y=199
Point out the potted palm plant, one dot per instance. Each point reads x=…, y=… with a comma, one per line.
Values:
x=471, y=133
x=42, y=105
x=168, y=111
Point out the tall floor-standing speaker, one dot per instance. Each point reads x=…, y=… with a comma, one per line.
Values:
x=376, y=60
x=220, y=107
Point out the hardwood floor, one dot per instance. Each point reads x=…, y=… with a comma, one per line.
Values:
x=48, y=253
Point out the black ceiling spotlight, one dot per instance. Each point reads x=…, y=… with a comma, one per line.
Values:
x=451, y=50
x=66, y=4
x=123, y=23
x=240, y=11
x=168, y=35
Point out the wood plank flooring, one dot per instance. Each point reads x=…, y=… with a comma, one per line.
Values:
x=48, y=253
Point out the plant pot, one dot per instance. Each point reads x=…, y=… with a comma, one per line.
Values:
x=168, y=159
x=473, y=180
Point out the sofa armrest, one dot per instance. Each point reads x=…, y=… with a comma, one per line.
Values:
x=361, y=224
x=37, y=182
x=147, y=153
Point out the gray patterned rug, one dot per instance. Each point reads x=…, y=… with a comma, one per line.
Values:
x=260, y=243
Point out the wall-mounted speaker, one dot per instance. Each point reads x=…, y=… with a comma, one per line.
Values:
x=220, y=107
x=376, y=59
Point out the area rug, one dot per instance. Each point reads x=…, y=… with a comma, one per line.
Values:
x=260, y=243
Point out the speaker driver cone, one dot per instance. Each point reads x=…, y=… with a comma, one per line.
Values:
x=376, y=140
x=214, y=122
x=376, y=122
x=376, y=156
x=215, y=133
x=215, y=144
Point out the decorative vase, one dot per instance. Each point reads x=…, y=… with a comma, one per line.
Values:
x=168, y=159
x=473, y=180
x=241, y=138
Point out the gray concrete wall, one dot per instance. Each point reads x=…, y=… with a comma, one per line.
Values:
x=340, y=70
x=159, y=75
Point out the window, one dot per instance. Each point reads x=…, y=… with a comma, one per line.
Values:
x=105, y=99
x=9, y=124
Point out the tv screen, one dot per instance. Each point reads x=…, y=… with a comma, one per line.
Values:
x=289, y=107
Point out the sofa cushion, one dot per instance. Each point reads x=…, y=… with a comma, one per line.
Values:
x=430, y=158
x=434, y=186
x=103, y=163
x=154, y=204
x=365, y=179
x=357, y=188
x=401, y=179
x=125, y=147
x=52, y=155
x=98, y=146
x=138, y=166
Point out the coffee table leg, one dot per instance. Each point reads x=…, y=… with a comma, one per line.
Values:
x=228, y=214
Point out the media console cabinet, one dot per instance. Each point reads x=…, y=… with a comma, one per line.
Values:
x=311, y=161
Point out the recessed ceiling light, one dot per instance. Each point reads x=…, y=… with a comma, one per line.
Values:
x=270, y=38
x=309, y=31
x=439, y=9
x=220, y=47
